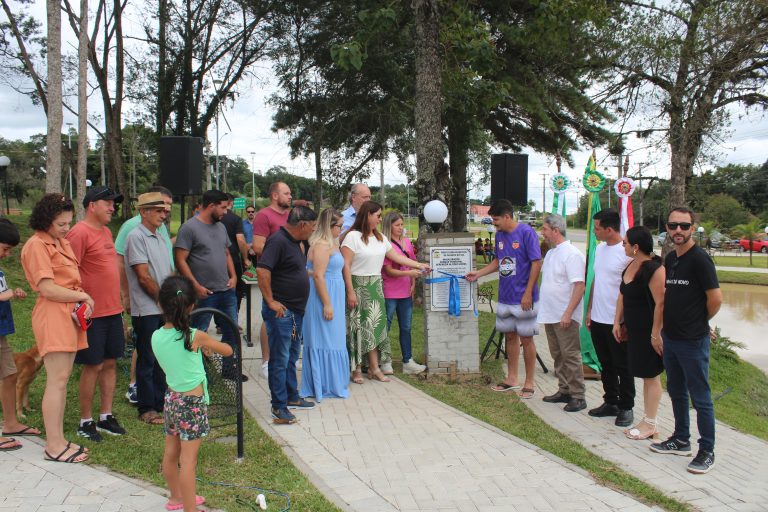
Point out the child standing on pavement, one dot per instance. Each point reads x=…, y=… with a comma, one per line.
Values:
x=179, y=350
x=9, y=238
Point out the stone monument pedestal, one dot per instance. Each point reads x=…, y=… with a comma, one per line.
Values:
x=452, y=343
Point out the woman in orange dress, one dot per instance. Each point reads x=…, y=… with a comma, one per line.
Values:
x=51, y=270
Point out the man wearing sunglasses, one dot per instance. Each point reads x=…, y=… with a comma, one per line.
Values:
x=691, y=299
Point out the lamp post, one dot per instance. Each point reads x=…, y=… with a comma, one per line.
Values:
x=253, y=179
x=435, y=213
x=700, y=231
x=4, y=163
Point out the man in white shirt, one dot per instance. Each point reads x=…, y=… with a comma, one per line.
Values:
x=610, y=262
x=358, y=194
x=560, y=308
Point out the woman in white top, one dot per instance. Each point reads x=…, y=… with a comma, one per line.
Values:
x=364, y=249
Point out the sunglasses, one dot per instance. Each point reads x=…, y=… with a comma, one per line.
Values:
x=685, y=226
x=672, y=268
x=250, y=211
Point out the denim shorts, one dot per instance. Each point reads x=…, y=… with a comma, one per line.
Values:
x=185, y=416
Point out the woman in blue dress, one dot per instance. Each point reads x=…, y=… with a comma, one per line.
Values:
x=325, y=369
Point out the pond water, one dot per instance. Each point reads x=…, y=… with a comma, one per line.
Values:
x=742, y=317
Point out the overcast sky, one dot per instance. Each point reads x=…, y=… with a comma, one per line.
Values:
x=247, y=133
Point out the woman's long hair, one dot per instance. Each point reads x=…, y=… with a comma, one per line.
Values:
x=642, y=237
x=177, y=295
x=361, y=221
x=323, y=229
x=386, y=224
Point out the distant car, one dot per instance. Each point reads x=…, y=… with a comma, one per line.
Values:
x=757, y=245
x=662, y=238
x=486, y=220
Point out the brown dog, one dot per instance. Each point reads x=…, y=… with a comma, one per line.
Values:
x=28, y=363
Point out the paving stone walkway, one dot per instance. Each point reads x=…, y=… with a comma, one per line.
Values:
x=30, y=484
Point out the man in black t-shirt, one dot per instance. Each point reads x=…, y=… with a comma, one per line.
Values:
x=238, y=249
x=284, y=285
x=691, y=299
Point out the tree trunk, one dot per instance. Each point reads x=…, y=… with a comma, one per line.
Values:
x=82, y=107
x=318, y=177
x=458, y=141
x=55, y=114
x=428, y=104
x=162, y=90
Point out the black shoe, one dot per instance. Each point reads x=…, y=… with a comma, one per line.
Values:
x=557, y=398
x=702, y=463
x=301, y=404
x=673, y=446
x=624, y=418
x=88, y=431
x=604, y=410
x=283, y=416
x=575, y=405
x=110, y=426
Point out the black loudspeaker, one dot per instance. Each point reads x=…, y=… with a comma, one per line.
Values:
x=181, y=165
x=509, y=178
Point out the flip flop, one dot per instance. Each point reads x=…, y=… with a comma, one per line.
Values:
x=10, y=448
x=152, y=418
x=526, y=393
x=199, y=500
x=72, y=459
x=23, y=432
x=502, y=387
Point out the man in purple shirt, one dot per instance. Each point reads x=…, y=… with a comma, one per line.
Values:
x=518, y=260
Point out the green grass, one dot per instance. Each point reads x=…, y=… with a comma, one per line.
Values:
x=138, y=454
x=730, y=276
x=758, y=260
x=506, y=412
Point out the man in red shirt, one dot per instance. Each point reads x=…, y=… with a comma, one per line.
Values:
x=91, y=241
x=267, y=222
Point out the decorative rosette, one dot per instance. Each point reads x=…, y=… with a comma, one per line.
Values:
x=624, y=187
x=559, y=183
x=593, y=181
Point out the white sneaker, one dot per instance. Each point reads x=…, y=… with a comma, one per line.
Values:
x=265, y=369
x=412, y=367
x=386, y=369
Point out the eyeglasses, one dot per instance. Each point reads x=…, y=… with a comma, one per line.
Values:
x=672, y=269
x=685, y=226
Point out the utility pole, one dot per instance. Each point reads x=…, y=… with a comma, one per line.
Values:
x=640, y=188
x=69, y=145
x=381, y=180
x=544, y=177
x=253, y=178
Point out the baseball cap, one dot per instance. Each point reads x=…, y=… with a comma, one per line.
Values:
x=152, y=200
x=99, y=193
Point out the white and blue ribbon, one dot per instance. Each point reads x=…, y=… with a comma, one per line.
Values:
x=454, y=295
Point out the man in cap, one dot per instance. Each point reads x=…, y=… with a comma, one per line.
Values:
x=148, y=264
x=92, y=243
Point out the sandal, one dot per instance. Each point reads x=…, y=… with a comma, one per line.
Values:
x=503, y=386
x=636, y=434
x=26, y=431
x=199, y=500
x=357, y=377
x=15, y=445
x=378, y=375
x=72, y=459
x=152, y=418
x=526, y=393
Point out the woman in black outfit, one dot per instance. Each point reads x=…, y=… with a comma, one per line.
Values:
x=638, y=321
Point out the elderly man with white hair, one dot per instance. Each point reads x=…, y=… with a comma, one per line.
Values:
x=358, y=194
x=560, y=309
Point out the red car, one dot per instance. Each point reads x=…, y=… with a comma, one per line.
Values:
x=757, y=245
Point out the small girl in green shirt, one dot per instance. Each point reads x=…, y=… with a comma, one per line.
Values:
x=179, y=351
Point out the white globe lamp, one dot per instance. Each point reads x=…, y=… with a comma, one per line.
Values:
x=88, y=183
x=435, y=213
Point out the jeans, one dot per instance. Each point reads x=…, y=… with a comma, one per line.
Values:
x=687, y=365
x=618, y=382
x=150, y=378
x=226, y=302
x=404, y=308
x=284, y=347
